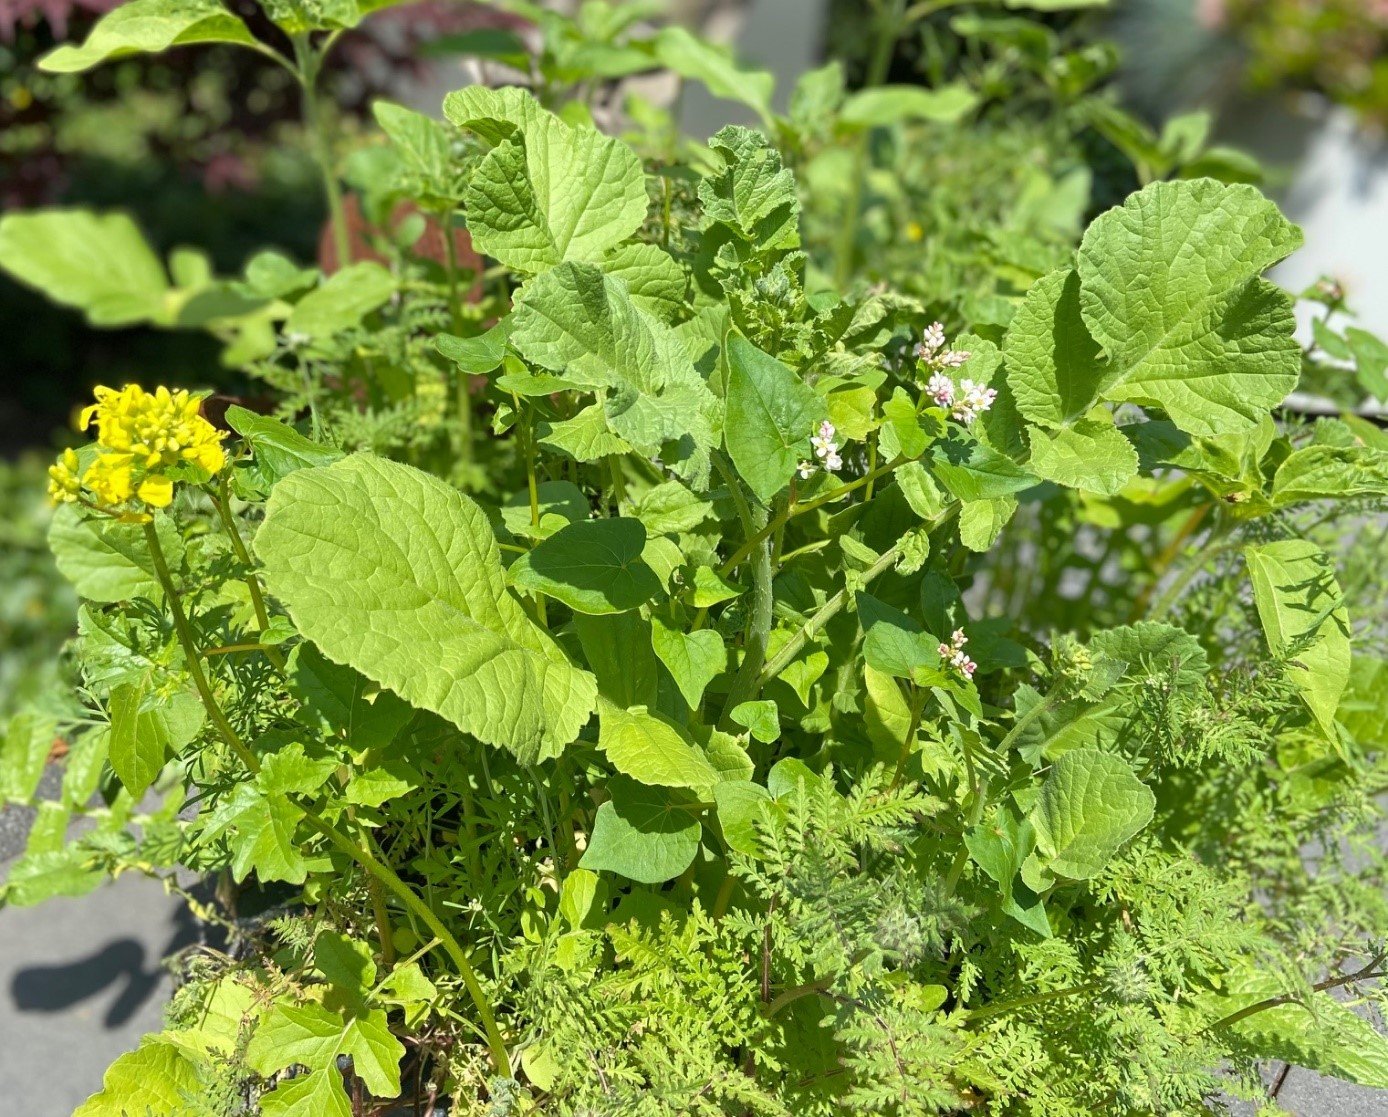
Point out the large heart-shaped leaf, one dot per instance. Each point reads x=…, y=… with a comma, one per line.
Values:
x=394, y=573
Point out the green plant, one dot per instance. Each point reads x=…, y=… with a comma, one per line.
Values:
x=721, y=691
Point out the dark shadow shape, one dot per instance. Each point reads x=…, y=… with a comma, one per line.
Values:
x=57, y=988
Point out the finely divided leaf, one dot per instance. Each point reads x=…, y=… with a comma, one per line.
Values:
x=394, y=573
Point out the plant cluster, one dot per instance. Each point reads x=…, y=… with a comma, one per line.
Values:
x=631, y=672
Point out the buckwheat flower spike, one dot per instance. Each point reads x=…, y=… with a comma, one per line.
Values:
x=931, y=342
x=941, y=389
x=141, y=436
x=953, y=653
x=973, y=400
x=826, y=448
x=932, y=352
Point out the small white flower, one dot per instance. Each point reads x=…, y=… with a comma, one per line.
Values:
x=941, y=389
x=973, y=400
x=953, y=359
x=826, y=448
x=806, y=469
x=932, y=341
x=953, y=653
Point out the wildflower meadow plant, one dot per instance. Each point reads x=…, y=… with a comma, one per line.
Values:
x=642, y=674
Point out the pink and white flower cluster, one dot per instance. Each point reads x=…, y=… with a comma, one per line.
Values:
x=826, y=449
x=953, y=653
x=931, y=349
x=965, y=401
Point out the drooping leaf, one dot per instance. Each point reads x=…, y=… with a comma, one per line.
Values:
x=148, y=27
x=753, y=194
x=154, y=1078
x=24, y=750
x=106, y=560
x=279, y=449
x=655, y=282
x=1162, y=649
x=771, y=414
x=670, y=508
x=739, y=804
x=1055, y=369
x=651, y=749
x=1170, y=290
x=982, y=521
x=592, y=566
x=342, y=301
x=1091, y=455
x=699, y=60
x=395, y=574
x=314, y=1036
x=576, y=320
x=642, y=833
x=1304, y=619
x=99, y=263
x=893, y=104
x=1090, y=805
x=1330, y=473
x=146, y=728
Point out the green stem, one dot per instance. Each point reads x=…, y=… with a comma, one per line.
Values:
x=362, y=856
x=1366, y=973
x=835, y=604
x=889, y=25
x=308, y=64
x=748, y=680
x=1034, y=999
x=222, y=503
x=792, y=510
x=465, y=439
x=189, y=644
x=501, y=1059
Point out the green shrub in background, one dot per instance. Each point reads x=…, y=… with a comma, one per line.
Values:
x=649, y=674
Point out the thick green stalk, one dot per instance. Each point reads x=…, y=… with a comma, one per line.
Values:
x=889, y=24
x=362, y=856
x=308, y=65
x=465, y=441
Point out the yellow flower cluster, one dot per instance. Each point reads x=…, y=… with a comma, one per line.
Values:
x=140, y=436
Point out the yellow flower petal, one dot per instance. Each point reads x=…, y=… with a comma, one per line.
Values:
x=156, y=491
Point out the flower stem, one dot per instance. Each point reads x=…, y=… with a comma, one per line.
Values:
x=357, y=852
x=222, y=502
